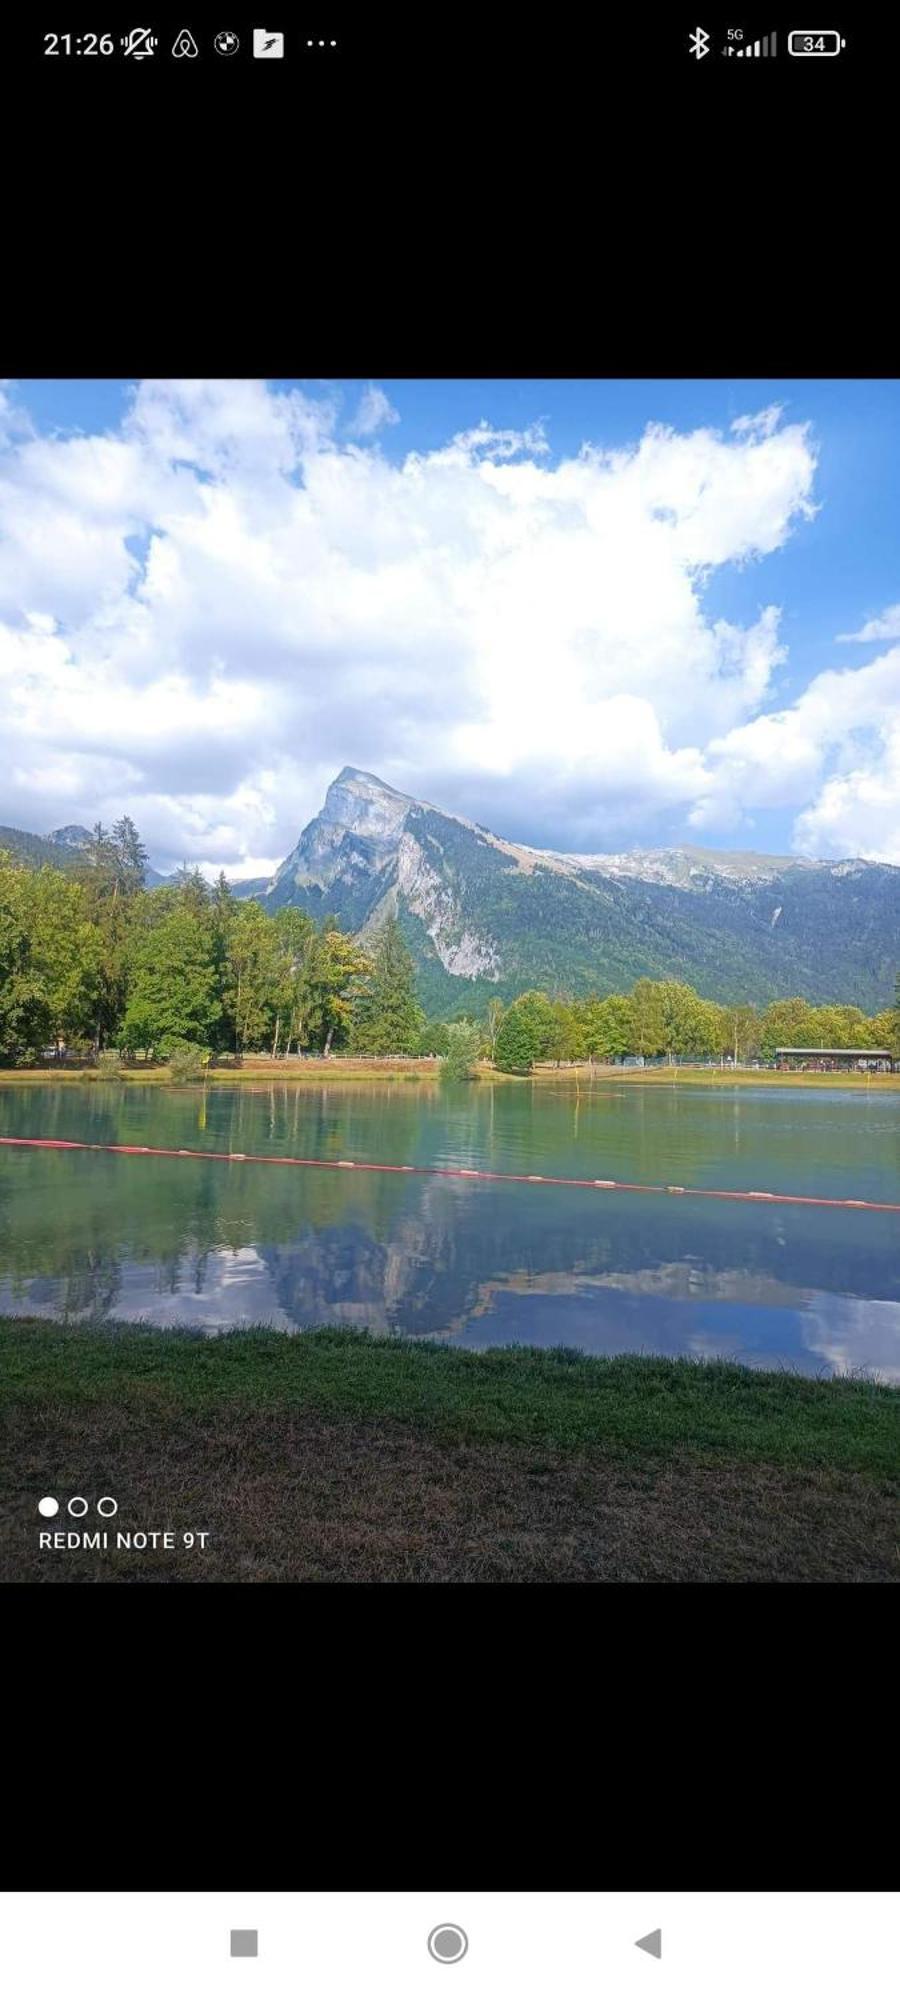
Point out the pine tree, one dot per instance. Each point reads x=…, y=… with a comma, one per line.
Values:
x=515, y=1048
x=129, y=856
x=112, y=877
x=387, y=1019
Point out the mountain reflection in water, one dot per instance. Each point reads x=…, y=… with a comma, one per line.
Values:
x=186, y=1243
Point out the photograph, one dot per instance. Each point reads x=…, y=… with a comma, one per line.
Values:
x=450, y=980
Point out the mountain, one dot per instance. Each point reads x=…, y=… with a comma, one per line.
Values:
x=52, y=850
x=60, y=849
x=485, y=916
x=74, y=837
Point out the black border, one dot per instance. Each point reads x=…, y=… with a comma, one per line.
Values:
x=389, y=1737
x=465, y=207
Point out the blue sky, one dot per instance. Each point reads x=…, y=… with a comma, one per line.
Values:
x=590, y=614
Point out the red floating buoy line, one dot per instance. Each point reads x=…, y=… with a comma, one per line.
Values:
x=456, y=1173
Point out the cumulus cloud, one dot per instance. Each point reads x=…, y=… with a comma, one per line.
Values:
x=210, y=609
x=858, y=811
x=885, y=627
x=374, y=411
x=832, y=756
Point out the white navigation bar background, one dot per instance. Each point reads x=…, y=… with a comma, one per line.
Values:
x=348, y=1946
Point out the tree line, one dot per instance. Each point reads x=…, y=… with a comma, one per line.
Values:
x=667, y=1018
x=91, y=959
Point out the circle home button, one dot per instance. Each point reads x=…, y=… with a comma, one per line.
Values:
x=448, y=1944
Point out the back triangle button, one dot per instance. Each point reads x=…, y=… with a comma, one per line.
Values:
x=652, y=1943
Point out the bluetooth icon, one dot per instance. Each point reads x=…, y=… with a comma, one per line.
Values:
x=699, y=43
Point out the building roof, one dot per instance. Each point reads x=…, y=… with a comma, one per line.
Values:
x=833, y=1052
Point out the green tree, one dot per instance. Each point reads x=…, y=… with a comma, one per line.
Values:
x=49, y=959
x=565, y=1042
x=886, y=1031
x=463, y=1050
x=493, y=1017
x=295, y=935
x=14, y=949
x=434, y=1039
x=192, y=890
x=337, y=969
x=387, y=1019
x=252, y=973
x=740, y=1032
x=173, y=994
x=537, y=1010
x=64, y=957
x=648, y=1023
x=129, y=856
x=317, y=972
x=222, y=909
x=607, y=1027
x=515, y=1046
x=111, y=875
x=689, y=1026
x=838, y=1027
x=786, y=1024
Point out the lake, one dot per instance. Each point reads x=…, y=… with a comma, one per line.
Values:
x=216, y=1244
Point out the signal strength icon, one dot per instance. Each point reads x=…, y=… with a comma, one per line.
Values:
x=766, y=46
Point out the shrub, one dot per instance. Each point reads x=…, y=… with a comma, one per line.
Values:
x=463, y=1051
x=186, y=1060
x=109, y=1062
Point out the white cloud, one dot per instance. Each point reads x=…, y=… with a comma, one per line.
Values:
x=858, y=812
x=498, y=444
x=374, y=411
x=832, y=756
x=885, y=627
x=210, y=610
x=14, y=421
x=761, y=425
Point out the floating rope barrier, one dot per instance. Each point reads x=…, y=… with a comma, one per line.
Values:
x=457, y=1173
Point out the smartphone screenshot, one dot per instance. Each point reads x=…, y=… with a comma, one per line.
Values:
x=449, y=1005
x=450, y=998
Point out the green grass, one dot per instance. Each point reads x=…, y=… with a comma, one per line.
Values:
x=333, y=1456
x=718, y=1079
x=337, y=1070
x=560, y=1397
x=427, y=1070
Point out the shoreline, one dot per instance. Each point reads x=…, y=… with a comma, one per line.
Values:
x=336, y=1455
x=426, y=1069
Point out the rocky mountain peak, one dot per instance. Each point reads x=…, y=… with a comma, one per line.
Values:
x=363, y=804
x=70, y=836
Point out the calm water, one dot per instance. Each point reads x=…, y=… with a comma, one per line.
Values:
x=182, y=1242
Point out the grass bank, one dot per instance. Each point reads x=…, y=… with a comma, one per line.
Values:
x=403, y=1069
x=336, y=1456
x=711, y=1079
x=426, y=1069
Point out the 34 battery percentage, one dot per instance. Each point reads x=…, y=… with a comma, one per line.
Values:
x=815, y=42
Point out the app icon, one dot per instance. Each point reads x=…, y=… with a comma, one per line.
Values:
x=184, y=44
x=267, y=44
x=226, y=44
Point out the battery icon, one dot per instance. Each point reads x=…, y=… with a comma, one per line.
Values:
x=815, y=42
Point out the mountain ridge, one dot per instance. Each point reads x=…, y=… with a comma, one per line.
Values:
x=484, y=914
